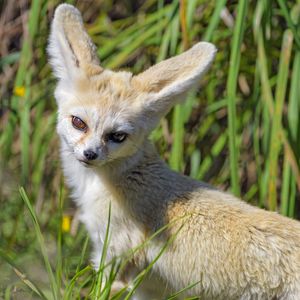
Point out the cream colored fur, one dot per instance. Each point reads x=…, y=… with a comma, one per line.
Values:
x=230, y=249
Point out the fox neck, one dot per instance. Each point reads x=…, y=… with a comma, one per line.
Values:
x=145, y=186
x=138, y=182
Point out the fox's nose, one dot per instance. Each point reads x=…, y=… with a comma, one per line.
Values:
x=90, y=155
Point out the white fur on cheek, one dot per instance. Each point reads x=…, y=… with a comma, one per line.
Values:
x=70, y=136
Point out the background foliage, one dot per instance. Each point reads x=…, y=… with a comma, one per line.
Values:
x=240, y=132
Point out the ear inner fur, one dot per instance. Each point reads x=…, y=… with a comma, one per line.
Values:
x=168, y=81
x=192, y=63
x=70, y=48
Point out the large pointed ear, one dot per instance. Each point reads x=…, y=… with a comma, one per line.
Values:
x=70, y=48
x=168, y=81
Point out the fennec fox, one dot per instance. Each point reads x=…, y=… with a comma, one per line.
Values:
x=227, y=248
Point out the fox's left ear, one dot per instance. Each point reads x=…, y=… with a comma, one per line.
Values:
x=70, y=48
x=168, y=81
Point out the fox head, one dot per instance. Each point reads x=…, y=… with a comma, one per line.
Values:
x=104, y=115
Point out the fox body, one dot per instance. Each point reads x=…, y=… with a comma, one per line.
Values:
x=222, y=246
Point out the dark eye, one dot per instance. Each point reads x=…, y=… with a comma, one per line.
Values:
x=78, y=124
x=117, y=137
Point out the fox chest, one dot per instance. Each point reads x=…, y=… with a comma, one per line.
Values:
x=99, y=211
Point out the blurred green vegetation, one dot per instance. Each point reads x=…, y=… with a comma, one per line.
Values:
x=240, y=131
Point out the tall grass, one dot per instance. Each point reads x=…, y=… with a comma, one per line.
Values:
x=233, y=72
x=239, y=132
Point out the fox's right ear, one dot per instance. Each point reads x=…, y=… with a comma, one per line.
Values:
x=167, y=82
x=70, y=48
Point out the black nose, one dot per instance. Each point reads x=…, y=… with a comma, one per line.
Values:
x=90, y=155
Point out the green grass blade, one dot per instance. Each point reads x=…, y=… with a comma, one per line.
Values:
x=234, y=64
x=181, y=114
x=294, y=105
x=292, y=202
x=140, y=277
x=215, y=152
x=285, y=12
x=214, y=21
x=100, y=273
x=286, y=179
x=276, y=142
x=176, y=158
x=41, y=243
x=70, y=288
x=9, y=59
x=174, y=296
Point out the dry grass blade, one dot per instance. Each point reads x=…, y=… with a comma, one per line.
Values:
x=183, y=24
x=30, y=284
